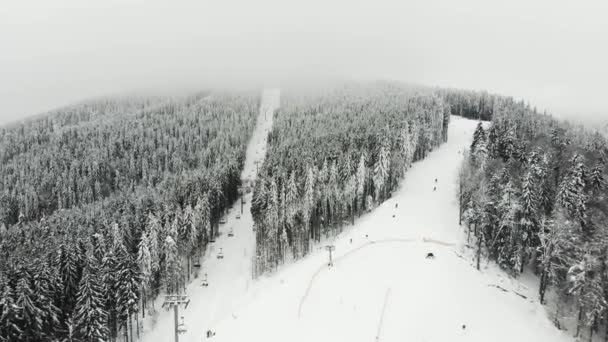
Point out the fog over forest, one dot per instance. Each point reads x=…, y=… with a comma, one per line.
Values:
x=551, y=53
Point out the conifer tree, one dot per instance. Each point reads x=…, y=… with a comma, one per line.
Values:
x=172, y=265
x=9, y=316
x=127, y=290
x=361, y=182
x=478, y=136
x=571, y=194
x=28, y=313
x=90, y=317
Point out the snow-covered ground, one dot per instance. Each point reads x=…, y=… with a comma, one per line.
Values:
x=381, y=286
x=229, y=278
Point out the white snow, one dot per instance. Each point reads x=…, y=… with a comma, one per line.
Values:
x=229, y=278
x=381, y=287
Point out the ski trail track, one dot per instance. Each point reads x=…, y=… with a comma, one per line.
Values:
x=430, y=299
x=229, y=278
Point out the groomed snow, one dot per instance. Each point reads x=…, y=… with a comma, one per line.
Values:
x=426, y=299
x=228, y=278
x=381, y=287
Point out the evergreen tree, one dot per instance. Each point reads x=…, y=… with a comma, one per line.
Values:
x=29, y=315
x=90, y=317
x=203, y=217
x=571, y=194
x=407, y=146
x=144, y=262
x=381, y=172
x=9, y=316
x=596, y=178
x=153, y=228
x=509, y=237
x=70, y=275
x=528, y=220
x=172, y=265
x=478, y=136
x=361, y=181
x=127, y=286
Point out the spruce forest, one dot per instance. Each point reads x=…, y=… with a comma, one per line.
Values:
x=104, y=204
x=335, y=154
x=108, y=204
x=532, y=194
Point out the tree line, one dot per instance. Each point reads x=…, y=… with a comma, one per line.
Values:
x=335, y=154
x=108, y=204
x=533, y=197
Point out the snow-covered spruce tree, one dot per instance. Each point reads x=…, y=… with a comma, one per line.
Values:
x=571, y=195
x=272, y=224
x=172, y=265
x=70, y=270
x=292, y=204
x=28, y=318
x=153, y=228
x=554, y=243
x=597, y=180
x=202, y=216
x=188, y=236
x=361, y=182
x=381, y=172
x=144, y=262
x=109, y=281
x=309, y=200
x=478, y=136
x=90, y=317
x=509, y=236
x=45, y=285
x=407, y=146
x=127, y=291
x=9, y=316
x=528, y=219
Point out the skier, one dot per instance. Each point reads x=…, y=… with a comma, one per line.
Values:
x=435, y=180
x=434, y=188
x=396, y=205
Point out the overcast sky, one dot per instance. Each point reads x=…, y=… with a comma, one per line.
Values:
x=553, y=53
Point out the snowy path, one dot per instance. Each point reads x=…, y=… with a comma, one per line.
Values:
x=229, y=278
x=430, y=299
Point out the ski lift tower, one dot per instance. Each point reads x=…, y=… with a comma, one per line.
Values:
x=176, y=301
x=330, y=248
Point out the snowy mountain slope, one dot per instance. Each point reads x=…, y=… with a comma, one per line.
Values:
x=382, y=287
x=228, y=278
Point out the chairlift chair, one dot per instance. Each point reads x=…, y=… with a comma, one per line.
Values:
x=205, y=283
x=231, y=232
x=220, y=255
x=181, y=328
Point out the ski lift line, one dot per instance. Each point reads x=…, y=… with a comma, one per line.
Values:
x=357, y=249
x=388, y=292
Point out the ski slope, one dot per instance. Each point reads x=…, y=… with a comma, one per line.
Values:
x=228, y=278
x=382, y=288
